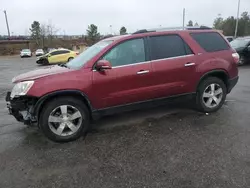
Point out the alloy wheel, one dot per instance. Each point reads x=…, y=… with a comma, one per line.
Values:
x=212, y=95
x=65, y=120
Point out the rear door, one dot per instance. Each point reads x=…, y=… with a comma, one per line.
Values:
x=129, y=80
x=53, y=58
x=65, y=55
x=173, y=64
x=216, y=55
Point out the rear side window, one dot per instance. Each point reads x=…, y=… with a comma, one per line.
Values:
x=59, y=52
x=211, y=42
x=168, y=46
x=54, y=53
x=64, y=51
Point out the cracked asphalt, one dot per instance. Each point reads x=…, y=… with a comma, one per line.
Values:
x=160, y=147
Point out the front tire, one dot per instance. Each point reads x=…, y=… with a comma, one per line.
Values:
x=211, y=94
x=64, y=119
x=45, y=62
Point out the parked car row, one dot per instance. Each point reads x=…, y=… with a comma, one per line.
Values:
x=123, y=73
x=28, y=53
x=60, y=55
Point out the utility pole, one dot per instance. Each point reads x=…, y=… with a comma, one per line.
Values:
x=111, y=31
x=237, y=20
x=183, y=24
x=7, y=24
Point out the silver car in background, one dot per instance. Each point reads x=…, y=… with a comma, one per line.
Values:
x=39, y=52
x=25, y=53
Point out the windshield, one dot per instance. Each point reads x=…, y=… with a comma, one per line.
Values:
x=237, y=43
x=88, y=54
x=25, y=50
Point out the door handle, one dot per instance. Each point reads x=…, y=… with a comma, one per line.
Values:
x=143, y=72
x=189, y=64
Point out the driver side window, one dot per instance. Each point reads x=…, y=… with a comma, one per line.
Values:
x=128, y=52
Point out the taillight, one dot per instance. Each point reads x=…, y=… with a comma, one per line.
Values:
x=236, y=57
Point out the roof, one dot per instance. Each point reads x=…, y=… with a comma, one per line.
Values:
x=173, y=29
x=154, y=33
x=116, y=37
x=59, y=49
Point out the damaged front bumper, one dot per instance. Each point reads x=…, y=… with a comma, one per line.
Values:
x=22, y=108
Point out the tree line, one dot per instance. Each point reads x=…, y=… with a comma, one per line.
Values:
x=41, y=32
x=227, y=25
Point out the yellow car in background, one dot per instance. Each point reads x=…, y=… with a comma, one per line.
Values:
x=57, y=56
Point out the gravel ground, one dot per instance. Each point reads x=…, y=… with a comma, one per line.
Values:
x=159, y=147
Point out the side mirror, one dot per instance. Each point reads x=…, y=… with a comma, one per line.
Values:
x=103, y=65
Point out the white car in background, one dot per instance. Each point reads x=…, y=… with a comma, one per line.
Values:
x=39, y=52
x=25, y=53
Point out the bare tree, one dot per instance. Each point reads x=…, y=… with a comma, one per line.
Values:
x=43, y=34
x=51, y=31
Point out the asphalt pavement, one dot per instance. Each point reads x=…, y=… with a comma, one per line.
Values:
x=160, y=147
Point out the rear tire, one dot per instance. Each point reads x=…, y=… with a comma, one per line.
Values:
x=64, y=119
x=211, y=94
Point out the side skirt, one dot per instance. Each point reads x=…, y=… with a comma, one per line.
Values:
x=143, y=104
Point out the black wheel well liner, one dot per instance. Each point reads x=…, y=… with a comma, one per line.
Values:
x=61, y=93
x=221, y=74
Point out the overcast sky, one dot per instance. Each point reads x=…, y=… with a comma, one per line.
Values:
x=73, y=16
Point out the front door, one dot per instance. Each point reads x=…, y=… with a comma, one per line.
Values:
x=129, y=80
x=53, y=57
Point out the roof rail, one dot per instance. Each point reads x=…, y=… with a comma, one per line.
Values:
x=172, y=29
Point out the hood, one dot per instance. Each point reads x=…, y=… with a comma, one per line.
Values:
x=39, y=73
x=42, y=56
x=239, y=49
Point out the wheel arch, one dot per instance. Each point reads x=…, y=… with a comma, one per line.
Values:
x=220, y=73
x=71, y=57
x=61, y=93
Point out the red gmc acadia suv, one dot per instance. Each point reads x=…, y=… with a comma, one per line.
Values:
x=123, y=73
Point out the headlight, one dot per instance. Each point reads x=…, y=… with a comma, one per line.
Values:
x=21, y=88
